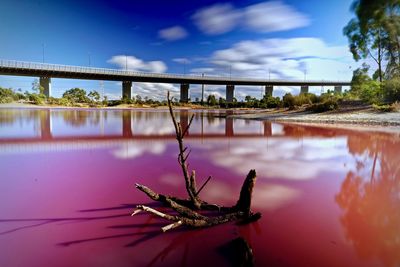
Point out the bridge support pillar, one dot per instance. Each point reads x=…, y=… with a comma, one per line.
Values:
x=338, y=89
x=267, y=128
x=127, y=89
x=184, y=93
x=230, y=92
x=184, y=119
x=304, y=89
x=127, y=123
x=45, y=124
x=229, y=127
x=45, y=83
x=268, y=90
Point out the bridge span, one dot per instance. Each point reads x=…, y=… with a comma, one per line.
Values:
x=48, y=71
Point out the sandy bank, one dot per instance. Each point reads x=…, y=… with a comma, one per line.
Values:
x=367, y=119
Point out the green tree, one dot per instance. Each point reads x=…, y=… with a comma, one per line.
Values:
x=360, y=76
x=288, y=100
x=391, y=89
x=374, y=33
x=37, y=88
x=94, y=96
x=6, y=95
x=211, y=100
x=76, y=95
x=365, y=88
x=138, y=100
x=222, y=102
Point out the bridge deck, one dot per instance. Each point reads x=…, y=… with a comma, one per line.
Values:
x=21, y=68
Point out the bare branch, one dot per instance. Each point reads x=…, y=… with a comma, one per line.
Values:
x=171, y=112
x=171, y=226
x=156, y=212
x=369, y=52
x=186, y=207
x=136, y=212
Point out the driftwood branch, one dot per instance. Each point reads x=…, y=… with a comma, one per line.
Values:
x=187, y=210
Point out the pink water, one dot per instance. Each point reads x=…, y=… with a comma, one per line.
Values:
x=328, y=197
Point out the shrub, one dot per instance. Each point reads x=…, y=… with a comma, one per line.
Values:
x=328, y=105
x=272, y=102
x=391, y=90
x=288, y=101
x=371, y=92
x=59, y=101
x=126, y=100
x=6, y=99
x=76, y=95
x=37, y=99
x=384, y=108
x=6, y=95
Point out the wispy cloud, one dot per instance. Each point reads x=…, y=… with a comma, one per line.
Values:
x=156, y=91
x=270, y=16
x=173, y=33
x=279, y=58
x=285, y=58
x=217, y=19
x=273, y=16
x=137, y=64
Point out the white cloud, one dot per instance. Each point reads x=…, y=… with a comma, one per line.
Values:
x=157, y=91
x=311, y=156
x=283, y=59
x=134, y=150
x=135, y=64
x=217, y=19
x=267, y=16
x=173, y=33
x=182, y=60
x=273, y=16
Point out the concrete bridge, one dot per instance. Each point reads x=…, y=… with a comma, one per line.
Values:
x=48, y=71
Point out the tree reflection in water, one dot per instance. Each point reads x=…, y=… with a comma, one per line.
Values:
x=370, y=198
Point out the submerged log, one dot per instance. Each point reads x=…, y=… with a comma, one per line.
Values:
x=188, y=209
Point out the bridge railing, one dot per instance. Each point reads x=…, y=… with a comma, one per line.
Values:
x=90, y=70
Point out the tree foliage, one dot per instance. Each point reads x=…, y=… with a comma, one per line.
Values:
x=212, y=100
x=76, y=95
x=391, y=89
x=94, y=96
x=374, y=33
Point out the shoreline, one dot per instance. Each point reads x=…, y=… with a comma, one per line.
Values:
x=365, y=120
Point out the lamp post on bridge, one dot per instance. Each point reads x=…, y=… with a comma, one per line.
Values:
x=43, y=45
x=202, y=90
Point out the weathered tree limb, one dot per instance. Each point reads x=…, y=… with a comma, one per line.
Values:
x=187, y=209
x=171, y=226
x=189, y=179
x=246, y=193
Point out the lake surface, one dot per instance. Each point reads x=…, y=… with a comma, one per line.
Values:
x=328, y=197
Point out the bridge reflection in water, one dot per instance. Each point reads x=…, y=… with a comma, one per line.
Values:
x=52, y=125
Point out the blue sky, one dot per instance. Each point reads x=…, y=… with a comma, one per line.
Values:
x=277, y=39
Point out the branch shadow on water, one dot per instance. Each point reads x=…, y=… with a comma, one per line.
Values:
x=38, y=222
x=140, y=232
